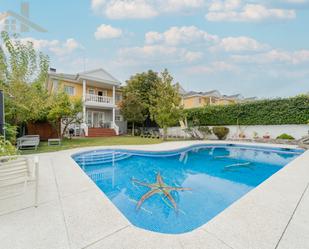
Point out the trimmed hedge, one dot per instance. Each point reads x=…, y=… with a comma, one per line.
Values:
x=262, y=112
x=286, y=137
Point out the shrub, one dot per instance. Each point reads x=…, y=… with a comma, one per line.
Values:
x=10, y=133
x=263, y=112
x=205, y=130
x=285, y=136
x=6, y=148
x=221, y=132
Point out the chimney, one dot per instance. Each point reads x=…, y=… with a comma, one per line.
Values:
x=52, y=70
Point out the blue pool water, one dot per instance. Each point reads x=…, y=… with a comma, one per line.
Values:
x=214, y=176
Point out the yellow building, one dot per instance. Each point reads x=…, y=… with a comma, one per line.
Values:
x=100, y=93
x=200, y=99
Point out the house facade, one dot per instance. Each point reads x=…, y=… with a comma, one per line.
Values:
x=200, y=99
x=100, y=93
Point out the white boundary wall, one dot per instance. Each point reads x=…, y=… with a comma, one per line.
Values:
x=297, y=131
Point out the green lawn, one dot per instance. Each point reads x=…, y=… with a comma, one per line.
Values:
x=84, y=142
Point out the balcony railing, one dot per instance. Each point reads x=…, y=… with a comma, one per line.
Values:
x=98, y=99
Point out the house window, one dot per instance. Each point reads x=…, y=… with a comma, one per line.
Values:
x=55, y=85
x=91, y=91
x=102, y=93
x=118, y=97
x=70, y=90
x=118, y=118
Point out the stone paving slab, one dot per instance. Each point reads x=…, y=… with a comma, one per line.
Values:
x=296, y=235
x=88, y=220
x=70, y=177
x=34, y=228
x=248, y=225
x=135, y=238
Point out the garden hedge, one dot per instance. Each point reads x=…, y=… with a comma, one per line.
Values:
x=262, y=112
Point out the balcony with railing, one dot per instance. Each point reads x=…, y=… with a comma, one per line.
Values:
x=94, y=99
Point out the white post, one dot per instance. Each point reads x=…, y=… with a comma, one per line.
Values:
x=92, y=119
x=84, y=101
x=114, y=111
x=114, y=115
x=113, y=179
x=36, y=193
x=114, y=94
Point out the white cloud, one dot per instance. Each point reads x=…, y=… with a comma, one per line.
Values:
x=192, y=56
x=233, y=10
x=121, y=9
x=96, y=4
x=179, y=35
x=177, y=5
x=67, y=47
x=153, y=37
x=214, y=67
x=155, y=53
x=105, y=31
x=296, y=1
x=55, y=46
x=238, y=44
x=226, y=5
x=142, y=9
x=275, y=56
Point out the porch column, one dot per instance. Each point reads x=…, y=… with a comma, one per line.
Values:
x=114, y=111
x=114, y=94
x=114, y=115
x=84, y=101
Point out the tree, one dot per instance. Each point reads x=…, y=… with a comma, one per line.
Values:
x=165, y=103
x=133, y=109
x=23, y=74
x=142, y=85
x=65, y=110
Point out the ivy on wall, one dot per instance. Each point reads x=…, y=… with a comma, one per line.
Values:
x=262, y=112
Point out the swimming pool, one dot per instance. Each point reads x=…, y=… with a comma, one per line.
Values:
x=177, y=191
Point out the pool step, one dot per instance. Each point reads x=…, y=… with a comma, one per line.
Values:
x=107, y=157
x=100, y=174
x=101, y=132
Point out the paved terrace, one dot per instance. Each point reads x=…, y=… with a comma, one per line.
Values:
x=74, y=213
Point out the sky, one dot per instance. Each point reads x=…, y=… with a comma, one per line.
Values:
x=256, y=48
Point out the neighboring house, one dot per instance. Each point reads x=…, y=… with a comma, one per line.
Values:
x=199, y=99
x=100, y=93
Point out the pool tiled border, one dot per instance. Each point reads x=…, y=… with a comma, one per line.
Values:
x=74, y=213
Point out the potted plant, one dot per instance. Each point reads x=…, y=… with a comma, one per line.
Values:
x=221, y=132
x=266, y=136
x=255, y=135
x=242, y=135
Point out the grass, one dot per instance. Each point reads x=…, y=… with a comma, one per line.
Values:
x=86, y=142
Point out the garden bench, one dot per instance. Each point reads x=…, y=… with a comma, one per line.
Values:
x=29, y=141
x=54, y=141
